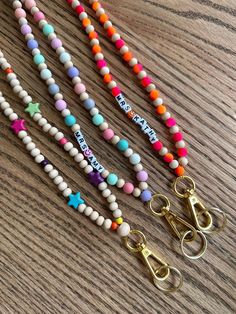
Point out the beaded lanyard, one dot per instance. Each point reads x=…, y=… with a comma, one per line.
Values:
x=159, y=273
x=196, y=207
x=186, y=229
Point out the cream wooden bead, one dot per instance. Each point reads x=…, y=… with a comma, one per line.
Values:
x=99, y=56
x=58, y=136
x=58, y=96
x=30, y=146
x=183, y=161
x=83, y=96
x=124, y=49
x=47, y=127
x=53, y=174
x=111, y=198
x=103, y=126
x=138, y=167
x=174, y=129
x=94, y=216
x=141, y=75
x=13, y=116
x=107, y=224
x=100, y=220
x=75, y=127
x=65, y=112
x=165, y=116
x=173, y=164
x=38, y=159
x=106, y=193
x=79, y=157
x=163, y=151
x=88, y=211
x=102, y=186
x=53, y=131
x=81, y=208
x=105, y=173
x=117, y=213
x=107, y=24
x=88, y=169
x=143, y=186
x=58, y=180
x=48, y=168
x=62, y=186
x=73, y=152
x=115, y=139
x=35, y=152
x=68, y=146
x=123, y=230
x=26, y=140
x=115, y=37
x=136, y=192
x=83, y=164
x=94, y=111
x=76, y=80
x=128, y=152
x=113, y=206
x=120, y=183
x=83, y=16
x=66, y=192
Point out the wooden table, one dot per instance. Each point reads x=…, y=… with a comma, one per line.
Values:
x=53, y=260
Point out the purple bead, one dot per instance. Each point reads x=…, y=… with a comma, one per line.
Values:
x=26, y=29
x=95, y=178
x=56, y=43
x=60, y=105
x=146, y=195
x=44, y=163
x=72, y=72
x=142, y=176
x=31, y=44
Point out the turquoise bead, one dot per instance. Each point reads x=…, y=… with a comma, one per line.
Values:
x=48, y=29
x=97, y=119
x=134, y=159
x=112, y=179
x=64, y=57
x=70, y=120
x=38, y=59
x=45, y=74
x=122, y=145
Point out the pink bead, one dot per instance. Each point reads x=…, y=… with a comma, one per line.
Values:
x=146, y=81
x=142, y=176
x=115, y=91
x=177, y=137
x=119, y=43
x=101, y=64
x=182, y=152
x=157, y=145
x=79, y=9
x=38, y=16
x=63, y=141
x=128, y=188
x=79, y=88
x=170, y=122
x=20, y=13
x=29, y=4
x=108, y=134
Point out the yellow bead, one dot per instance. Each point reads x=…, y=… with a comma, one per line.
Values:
x=119, y=220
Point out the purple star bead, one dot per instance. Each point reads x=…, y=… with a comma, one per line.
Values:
x=95, y=178
x=18, y=125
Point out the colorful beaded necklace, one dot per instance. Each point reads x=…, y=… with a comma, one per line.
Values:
x=160, y=273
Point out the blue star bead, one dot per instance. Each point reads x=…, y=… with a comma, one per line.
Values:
x=75, y=200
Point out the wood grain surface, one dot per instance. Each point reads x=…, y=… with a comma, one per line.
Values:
x=53, y=260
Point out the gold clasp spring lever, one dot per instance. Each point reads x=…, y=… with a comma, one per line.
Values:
x=200, y=214
x=183, y=230
x=160, y=271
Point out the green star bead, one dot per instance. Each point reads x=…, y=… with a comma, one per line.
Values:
x=32, y=108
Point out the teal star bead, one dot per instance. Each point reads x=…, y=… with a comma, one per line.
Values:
x=32, y=108
x=75, y=200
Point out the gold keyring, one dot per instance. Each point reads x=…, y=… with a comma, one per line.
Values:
x=217, y=230
x=164, y=209
x=140, y=244
x=173, y=269
x=203, y=248
x=182, y=178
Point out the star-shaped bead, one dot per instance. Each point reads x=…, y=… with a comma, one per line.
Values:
x=32, y=108
x=75, y=200
x=18, y=125
x=95, y=178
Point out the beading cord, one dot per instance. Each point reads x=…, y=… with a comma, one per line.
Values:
x=33, y=109
x=70, y=120
x=18, y=126
x=146, y=82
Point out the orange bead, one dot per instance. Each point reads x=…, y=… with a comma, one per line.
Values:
x=137, y=68
x=168, y=157
x=107, y=78
x=111, y=31
x=96, y=49
x=128, y=56
x=96, y=6
x=130, y=114
x=103, y=18
x=114, y=226
x=93, y=35
x=179, y=171
x=161, y=109
x=86, y=22
x=154, y=94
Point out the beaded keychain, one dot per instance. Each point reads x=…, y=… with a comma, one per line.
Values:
x=197, y=210
x=159, y=273
x=122, y=145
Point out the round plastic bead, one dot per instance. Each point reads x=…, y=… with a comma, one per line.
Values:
x=146, y=195
x=134, y=159
x=142, y=176
x=45, y=74
x=48, y=29
x=38, y=59
x=122, y=145
x=112, y=179
x=89, y=104
x=97, y=119
x=72, y=72
x=53, y=89
x=32, y=44
x=64, y=57
x=70, y=120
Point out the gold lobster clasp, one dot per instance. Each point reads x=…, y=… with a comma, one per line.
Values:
x=159, y=270
x=183, y=230
x=200, y=214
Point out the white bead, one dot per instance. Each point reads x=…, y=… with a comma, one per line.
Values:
x=83, y=96
x=39, y=159
x=99, y=56
x=143, y=186
x=174, y=164
x=107, y=24
x=42, y=23
x=105, y=173
x=22, y=134
x=102, y=186
x=104, y=70
x=157, y=102
x=94, y=111
x=58, y=136
x=165, y=116
x=120, y=183
x=8, y=111
x=89, y=29
x=65, y=112
x=35, y=51
x=94, y=41
x=67, y=192
x=128, y=152
x=124, y=49
x=141, y=75
x=94, y=216
x=42, y=121
x=53, y=174
x=150, y=87
x=29, y=36
x=115, y=37
x=27, y=139
x=13, y=116
x=37, y=116
x=74, y=151
x=22, y=21
x=133, y=62
x=88, y=211
x=11, y=76
x=117, y=213
x=58, y=180
x=107, y=224
x=75, y=127
x=47, y=127
x=83, y=16
x=75, y=3
x=27, y=100
x=79, y=157
x=123, y=230
x=88, y=169
x=76, y=80
x=100, y=220
x=16, y=5
x=34, y=10
x=68, y=146
x=183, y=161
x=48, y=168
x=23, y=94
x=42, y=66
x=138, y=167
x=35, y=152
x=111, y=198
x=106, y=193
x=115, y=139
x=112, y=84
x=58, y=96
x=100, y=11
x=113, y=206
x=163, y=151
x=5, y=105
x=60, y=50
x=83, y=164
x=62, y=186
x=174, y=129
x=81, y=208
x=30, y=146
x=50, y=81
x=53, y=131
x=136, y=192
x=180, y=144
x=68, y=64
x=103, y=126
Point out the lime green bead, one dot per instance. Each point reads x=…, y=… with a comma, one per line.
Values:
x=48, y=29
x=38, y=59
x=112, y=179
x=97, y=119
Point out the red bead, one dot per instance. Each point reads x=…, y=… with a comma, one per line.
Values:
x=69, y=1
x=114, y=226
x=8, y=70
x=177, y=137
x=157, y=146
x=115, y=91
x=182, y=152
x=79, y=9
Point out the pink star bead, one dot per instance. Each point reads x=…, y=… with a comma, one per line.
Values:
x=18, y=125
